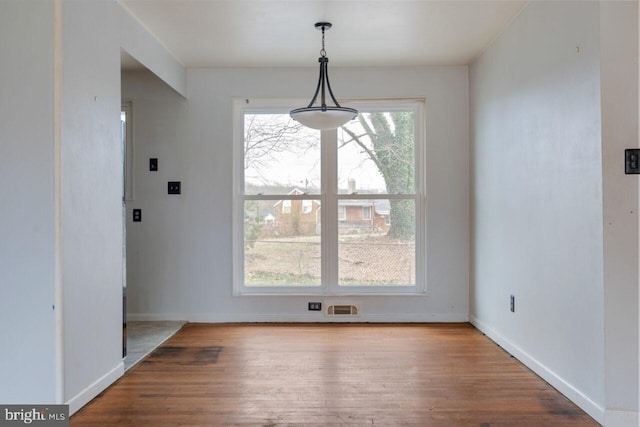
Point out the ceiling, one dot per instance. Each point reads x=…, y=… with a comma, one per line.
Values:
x=280, y=33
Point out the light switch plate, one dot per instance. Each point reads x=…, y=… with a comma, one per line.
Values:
x=632, y=161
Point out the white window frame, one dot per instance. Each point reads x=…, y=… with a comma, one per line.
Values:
x=329, y=200
x=366, y=209
x=286, y=206
x=307, y=207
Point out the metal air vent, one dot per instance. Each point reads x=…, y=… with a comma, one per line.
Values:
x=342, y=310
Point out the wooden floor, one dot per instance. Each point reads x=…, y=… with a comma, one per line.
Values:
x=330, y=375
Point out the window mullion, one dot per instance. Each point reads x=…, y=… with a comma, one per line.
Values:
x=329, y=224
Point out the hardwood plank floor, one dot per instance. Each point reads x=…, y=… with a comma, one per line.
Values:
x=330, y=375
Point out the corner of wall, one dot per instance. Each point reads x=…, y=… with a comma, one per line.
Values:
x=140, y=43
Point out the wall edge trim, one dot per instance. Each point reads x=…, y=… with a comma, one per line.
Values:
x=86, y=395
x=306, y=318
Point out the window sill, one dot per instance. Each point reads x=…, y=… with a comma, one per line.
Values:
x=332, y=295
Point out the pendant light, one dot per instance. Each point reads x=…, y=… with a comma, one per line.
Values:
x=323, y=117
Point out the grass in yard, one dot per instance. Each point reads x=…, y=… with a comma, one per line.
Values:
x=266, y=278
x=363, y=260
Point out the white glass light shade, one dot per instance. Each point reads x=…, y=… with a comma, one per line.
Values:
x=330, y=118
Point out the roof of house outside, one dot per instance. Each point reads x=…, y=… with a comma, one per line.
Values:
x=381, y=206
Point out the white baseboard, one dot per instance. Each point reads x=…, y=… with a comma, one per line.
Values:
x=303, y=318
x=621, y=418
x=85, y=396
x=576, y=396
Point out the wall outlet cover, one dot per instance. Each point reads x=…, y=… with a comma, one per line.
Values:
x=173, y=187
x=315, y=306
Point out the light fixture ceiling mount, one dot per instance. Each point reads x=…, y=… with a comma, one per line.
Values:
x=323, y=117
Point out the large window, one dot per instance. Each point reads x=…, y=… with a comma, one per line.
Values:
x=331, y=212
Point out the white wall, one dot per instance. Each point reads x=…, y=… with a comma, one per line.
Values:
x=159, y=124
x=539, y=141
x=91, y=199
x=27, y=235
x=93, y=34
x=619, y=83
x=537, y=200
x=179, y=256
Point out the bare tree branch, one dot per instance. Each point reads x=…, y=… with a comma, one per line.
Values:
x=266, y=137
x=358, y=141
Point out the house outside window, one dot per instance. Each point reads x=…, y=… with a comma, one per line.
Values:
x=345, y=207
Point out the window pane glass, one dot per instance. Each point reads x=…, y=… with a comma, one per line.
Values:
x=281, y=245
x=381, y=250
x=280, y=155
x=376, y=153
